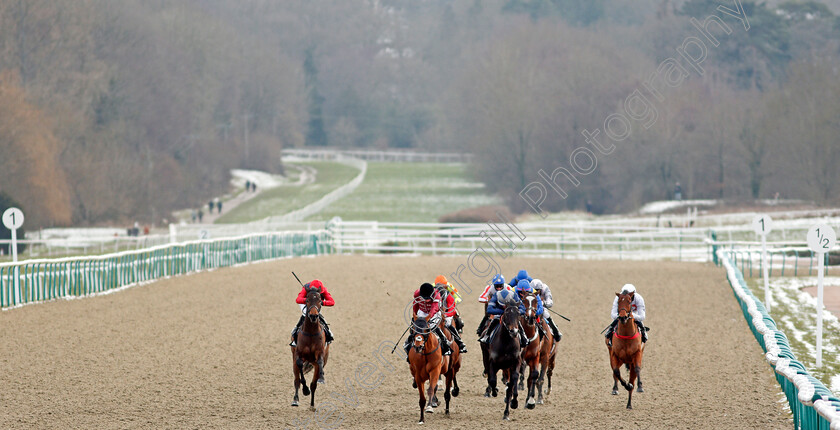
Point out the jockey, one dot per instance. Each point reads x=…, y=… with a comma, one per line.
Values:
x=496, y=307
x=326, y=300
x=427, y=305
x=449, y=311
x=497, y=284
x=523, y=288
x=522, y=274
x=638, y=308
x=544, y=292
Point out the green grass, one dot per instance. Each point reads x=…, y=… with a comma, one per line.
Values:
x=284, y=199
x=409, y=192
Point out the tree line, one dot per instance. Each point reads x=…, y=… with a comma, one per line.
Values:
x=116, y=111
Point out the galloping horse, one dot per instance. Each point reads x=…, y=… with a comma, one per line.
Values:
x=425, y=361
x=531, y=353
x=504, y=354
x=312, y=350
x=627, y=347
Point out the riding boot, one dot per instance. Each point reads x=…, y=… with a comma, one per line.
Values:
x=482, y=324
x=610, y=331
x=444, y=342
x=295, y=331
x=642, y=329
x=407, y=345
x=554, y=331
x=327, y=332
x=523, y=340
x=486, y=338
x=461, y=347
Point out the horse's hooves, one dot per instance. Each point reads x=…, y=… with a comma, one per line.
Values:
x=639, y=389
x=421, y=423
x=629, y=407
x=548, y=391
x=514, y=403
x=540, y=402
x=506, y=418
x=531, y=406
x=495, y=393
x=305, y=390
x=629, y=387
x=321, y=380
x=312, y=408
x=429, y=410
x=413, y=384
x=295, y=403
x=614, y=392
x=456, y=391
x=446, y=413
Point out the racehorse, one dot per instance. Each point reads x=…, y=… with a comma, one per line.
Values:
x=312, y=350
x=530, y=353
x=425, y=360
x=627, y=347
x=547, y=356
x=504, y=354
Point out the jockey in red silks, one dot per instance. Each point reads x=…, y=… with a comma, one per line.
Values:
x=326, y=300
x=427, y=305
x=449, y=310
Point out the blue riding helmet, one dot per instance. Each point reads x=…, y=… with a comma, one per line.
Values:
x=523, y=274
x=498, y=280
x=524, y=287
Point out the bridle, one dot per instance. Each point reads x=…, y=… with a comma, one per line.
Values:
x=310, y=297
x=530, y=311
x=627, y=312
x=509, y=313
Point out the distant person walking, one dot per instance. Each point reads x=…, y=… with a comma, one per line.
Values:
x=254, y=186
x=194, y=215
x=677, y=192
x=219, y=206
x=247, y=185
x=200, y=215
x=210, y=206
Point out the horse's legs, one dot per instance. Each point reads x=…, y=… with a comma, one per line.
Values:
x=455, y=390
x=446, y=395
x=422, y=401
x=531, y=402
x=320, y=372
x=514, y=402
x=313, y=385
x=302, y=377
x=630, y=383
x=296, y=372
x=491, y=380
x=522, y=365
x=433, y=380
x=508, y=394
x=639, y=388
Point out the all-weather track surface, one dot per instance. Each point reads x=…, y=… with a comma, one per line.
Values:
x=209, y=351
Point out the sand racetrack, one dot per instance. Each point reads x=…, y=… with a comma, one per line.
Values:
x=210, y=351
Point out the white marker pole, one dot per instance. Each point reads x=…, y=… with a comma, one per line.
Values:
x=762, y=225
x=821, y=239
x=13, y=219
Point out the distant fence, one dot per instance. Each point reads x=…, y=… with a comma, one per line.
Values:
x=33, y=281
x=813, y=405
x=385, y=156
x=546, y=239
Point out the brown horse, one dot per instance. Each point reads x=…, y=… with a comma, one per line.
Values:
x=425, y=360
x=627, y=347
x=531, y=353
x=547, y=356
x=312, y=350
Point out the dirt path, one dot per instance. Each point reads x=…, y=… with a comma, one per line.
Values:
x=210, y=351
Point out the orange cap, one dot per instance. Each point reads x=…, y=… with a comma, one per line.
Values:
x=441, y=280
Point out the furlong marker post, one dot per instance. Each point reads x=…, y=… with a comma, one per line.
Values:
x=821, y=239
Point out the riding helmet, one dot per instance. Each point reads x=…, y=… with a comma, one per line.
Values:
x=426, y=290
x=498, y=280
x=628, y=288
x=316, y=284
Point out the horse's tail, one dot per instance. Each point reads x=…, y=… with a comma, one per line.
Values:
x=307, y=367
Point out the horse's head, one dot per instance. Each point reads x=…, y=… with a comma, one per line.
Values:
x=510, y=320
x=313, y=304
x=421, y=334
x=530, y=303
x=625, y=309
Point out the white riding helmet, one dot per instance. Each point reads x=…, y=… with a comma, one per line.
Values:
x=537, y=284
x=628, y=288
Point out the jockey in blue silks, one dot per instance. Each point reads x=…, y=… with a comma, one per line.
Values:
x=523, y=289
x=522, y=274
x=496, y=307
